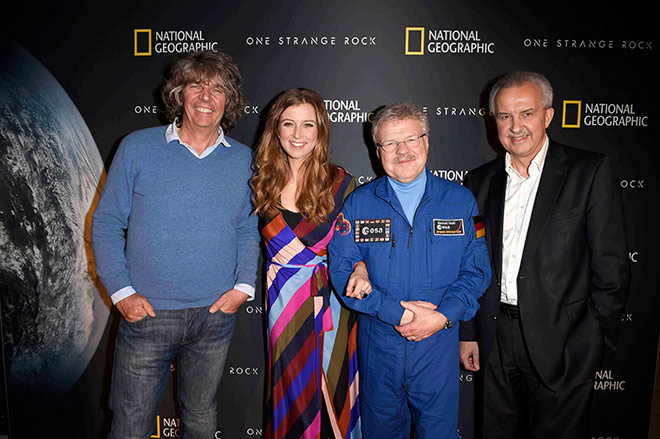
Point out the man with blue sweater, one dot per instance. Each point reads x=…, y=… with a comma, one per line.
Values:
x=176, y=247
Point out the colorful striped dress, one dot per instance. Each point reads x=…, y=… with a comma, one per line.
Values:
x=312, y=357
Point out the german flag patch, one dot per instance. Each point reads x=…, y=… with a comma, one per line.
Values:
x=479, y=226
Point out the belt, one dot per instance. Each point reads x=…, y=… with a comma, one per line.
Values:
x=321, y=260
x=510, y=311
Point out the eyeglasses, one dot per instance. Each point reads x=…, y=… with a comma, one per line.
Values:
x=391, y=145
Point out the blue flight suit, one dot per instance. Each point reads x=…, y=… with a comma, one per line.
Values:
x=438, y=259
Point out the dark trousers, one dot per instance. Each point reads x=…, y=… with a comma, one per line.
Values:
x=516, y=402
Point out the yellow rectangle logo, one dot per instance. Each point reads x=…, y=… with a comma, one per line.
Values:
x=142, y=38
x=417, y=50
x=572, y=113
x=157, y=435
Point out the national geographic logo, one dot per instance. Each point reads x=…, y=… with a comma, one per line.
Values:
x=571, y=114
x=142, y=42
x=414, y=41
x=445, y=41
x=148, y=41
x=454, y=175
x=605, y=381
x=171, y=427
x=346, y=111
x=576, y=113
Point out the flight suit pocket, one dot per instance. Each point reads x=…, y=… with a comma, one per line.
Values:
x=444, y=254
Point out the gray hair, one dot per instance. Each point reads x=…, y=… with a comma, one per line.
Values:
x=518, y=79
x=399, y=111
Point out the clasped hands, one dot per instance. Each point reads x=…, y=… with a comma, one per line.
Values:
x=420, y=319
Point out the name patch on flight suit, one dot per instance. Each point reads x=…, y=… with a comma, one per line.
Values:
x=448, y=227
x=372, y=230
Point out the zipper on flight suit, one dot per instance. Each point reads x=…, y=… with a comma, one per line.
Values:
x=410, y=236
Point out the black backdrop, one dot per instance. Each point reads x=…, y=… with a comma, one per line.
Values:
x=109, y=58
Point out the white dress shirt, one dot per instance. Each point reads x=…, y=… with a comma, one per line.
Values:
x=518, y=206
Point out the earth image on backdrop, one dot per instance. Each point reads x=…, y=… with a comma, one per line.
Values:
x=53, y=314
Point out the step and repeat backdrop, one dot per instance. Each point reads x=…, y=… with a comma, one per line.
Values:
x=76, y=78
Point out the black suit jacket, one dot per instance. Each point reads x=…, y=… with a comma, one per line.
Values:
x=573, y=277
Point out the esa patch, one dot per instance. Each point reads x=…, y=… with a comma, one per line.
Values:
x=448, y=227
x=342, y=225
x=372, y=230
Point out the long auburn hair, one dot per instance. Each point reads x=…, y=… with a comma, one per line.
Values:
x=271, y=164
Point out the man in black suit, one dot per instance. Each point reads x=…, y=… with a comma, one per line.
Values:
x=556, y=238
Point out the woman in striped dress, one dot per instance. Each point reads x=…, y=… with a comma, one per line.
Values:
x=312, y=387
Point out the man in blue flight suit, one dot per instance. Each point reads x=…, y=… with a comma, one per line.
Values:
x=426, y=265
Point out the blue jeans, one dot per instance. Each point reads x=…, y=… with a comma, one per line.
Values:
x=143, y=355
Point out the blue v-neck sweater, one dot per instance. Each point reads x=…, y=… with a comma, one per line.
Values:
x=176, y=228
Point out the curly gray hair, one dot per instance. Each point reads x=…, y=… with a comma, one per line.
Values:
x=203, y=66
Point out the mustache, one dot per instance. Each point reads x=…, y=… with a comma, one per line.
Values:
x=409, y=157
x=520, y=134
